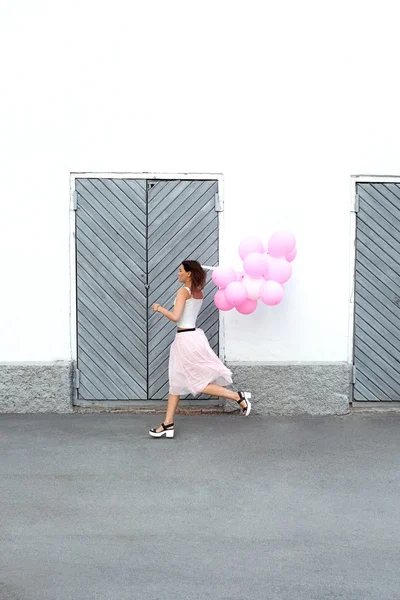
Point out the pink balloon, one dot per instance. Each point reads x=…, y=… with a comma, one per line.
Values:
x=236, y=293
x=222, y=276
x=271, y=293
x=278, y=270
x=247, y=307
x=253, y=286
x=255, y=264
x=281, y=243
x=221, y=302
x=249, y=245
x=240, y=275
x=292, y=255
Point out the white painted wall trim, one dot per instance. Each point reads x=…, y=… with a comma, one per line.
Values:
x=353, y=237
x=376, y=178
x=72, y=273
x=352, y=267
x=72, y=242
x=146, y=175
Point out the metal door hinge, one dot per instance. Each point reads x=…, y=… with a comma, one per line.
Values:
x=77, y=378
x=357, y=203
x=353, y=376
x=218, y=203
x=75, y=200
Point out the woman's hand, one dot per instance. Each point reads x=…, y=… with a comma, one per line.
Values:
x=179, y=306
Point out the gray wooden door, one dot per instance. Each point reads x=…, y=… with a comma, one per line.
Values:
x=182, y=224
x=377, y=293
x=131, y=237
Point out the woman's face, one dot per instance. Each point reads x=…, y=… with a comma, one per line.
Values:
x=182, y=274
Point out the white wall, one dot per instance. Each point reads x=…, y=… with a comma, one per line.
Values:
x=286, y=99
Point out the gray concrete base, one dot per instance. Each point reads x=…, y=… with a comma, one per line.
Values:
x=277, y=388
x=294, y=388
x=36, y=387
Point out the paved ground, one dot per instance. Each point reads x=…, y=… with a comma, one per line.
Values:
x=232, y=508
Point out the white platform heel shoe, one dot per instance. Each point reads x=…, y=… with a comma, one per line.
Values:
x=246, y=397
x=168, y=431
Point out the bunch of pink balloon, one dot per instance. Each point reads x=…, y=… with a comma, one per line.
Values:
x=264, y=273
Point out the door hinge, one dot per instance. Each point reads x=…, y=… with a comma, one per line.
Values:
x=75, y=200
x=357, y=203
x=77, y=378
x=218, y=203
x=353, y=376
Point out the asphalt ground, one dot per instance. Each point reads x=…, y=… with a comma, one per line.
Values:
x=297, y=508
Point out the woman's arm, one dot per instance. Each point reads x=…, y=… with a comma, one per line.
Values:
x=176, y=314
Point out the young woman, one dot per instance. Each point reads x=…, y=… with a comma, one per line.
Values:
x=194, y=367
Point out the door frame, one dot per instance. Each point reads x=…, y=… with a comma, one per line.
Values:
x=352, y=262
x=73, y=260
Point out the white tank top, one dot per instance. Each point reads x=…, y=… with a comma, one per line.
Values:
x=190, y=312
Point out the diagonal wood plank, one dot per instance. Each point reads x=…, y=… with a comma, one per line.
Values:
x=377, y=294
x=183, y=225
x=112, y=308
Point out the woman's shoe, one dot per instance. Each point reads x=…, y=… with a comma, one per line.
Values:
x=168, y=431
x=246, y=397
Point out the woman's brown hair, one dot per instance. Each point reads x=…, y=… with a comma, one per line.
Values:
x=198, y=273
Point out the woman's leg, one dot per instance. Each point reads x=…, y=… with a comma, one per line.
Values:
x=218, y=390
x=172, y=405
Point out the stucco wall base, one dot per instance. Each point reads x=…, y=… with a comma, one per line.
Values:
x=36, y=387
x=294, y=388
x=277, y=388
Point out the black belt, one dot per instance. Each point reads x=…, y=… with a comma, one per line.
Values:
x=183, y=330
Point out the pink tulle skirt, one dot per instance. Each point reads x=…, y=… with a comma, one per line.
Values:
x=193, y=364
